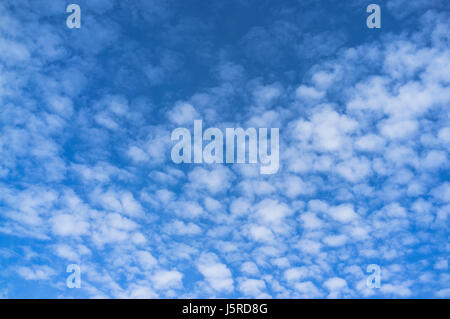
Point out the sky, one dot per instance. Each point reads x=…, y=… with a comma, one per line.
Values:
x=86, y=175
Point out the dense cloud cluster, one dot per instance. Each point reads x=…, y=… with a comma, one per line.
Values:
x=85, y=170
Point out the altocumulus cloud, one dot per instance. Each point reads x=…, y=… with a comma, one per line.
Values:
x=86, y=175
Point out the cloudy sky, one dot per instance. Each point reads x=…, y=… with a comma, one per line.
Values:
x=86, y=175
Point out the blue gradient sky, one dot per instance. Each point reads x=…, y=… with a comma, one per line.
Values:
x=85, y=170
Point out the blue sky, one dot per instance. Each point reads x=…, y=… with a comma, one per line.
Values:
x=86, y=175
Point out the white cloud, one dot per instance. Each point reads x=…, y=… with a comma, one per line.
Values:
x=249, y=268
x=395, y=128
x=240, y=206
x=187, y=209
x=343, y=213
x=165, y=279
x=253, y=288
x=366, y=127
x=435, y=159
x=330, y=130
x=308, y=290
x=217, y=274
x=118, y=201
x=370, y=143
x=354, y=169
x=397, y=290
x=442, y=192
x=309, y=93
x=441, y=264
x=261, y=233
x=180, y=228
x=36, y=272
x=69, y=225
x=137, y=154
x=309, y=246
x=444, y=134
x=311, y=221
x=183, y=114
x=335, y=241
x=264, y=95
x=214, y=181
x=271, y=211
x=295, y=274
x=67, y=252
x=145, y=259
x=336, y=286
x=443, y=293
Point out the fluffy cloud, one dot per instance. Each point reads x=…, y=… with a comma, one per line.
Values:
x=216, y=274
x=86, y=175
x=164, y=279
x=36, y=272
